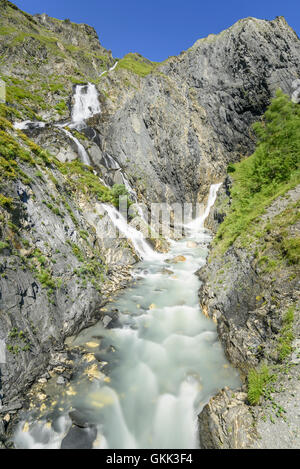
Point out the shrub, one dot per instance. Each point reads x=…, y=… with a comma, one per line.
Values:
x=257, y=382
x=271, y=171
x=6, y=202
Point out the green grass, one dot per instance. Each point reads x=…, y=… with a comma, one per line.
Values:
x=6, y=202
x=61, y=107
x=3, y=245
x=82, y=178
x=285, y=341
x=46, y=279
x=137, y=64
x=258, y=381
x=270, y=172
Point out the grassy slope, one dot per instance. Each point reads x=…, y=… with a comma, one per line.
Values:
x=137, y=64
x=40, y=65
x=259, y=179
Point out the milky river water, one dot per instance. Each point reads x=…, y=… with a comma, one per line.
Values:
x=165, y=362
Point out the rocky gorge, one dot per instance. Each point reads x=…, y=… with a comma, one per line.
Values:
x=152, y=132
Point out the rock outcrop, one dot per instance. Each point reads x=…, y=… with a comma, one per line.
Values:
x=192, y=115
x=248, y=296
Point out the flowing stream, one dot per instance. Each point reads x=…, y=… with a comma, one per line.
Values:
x=164, y=358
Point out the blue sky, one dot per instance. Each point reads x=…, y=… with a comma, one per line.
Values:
x=160, y=28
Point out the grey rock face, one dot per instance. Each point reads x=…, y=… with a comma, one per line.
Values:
x=245, y=301
x=192, y=116
x=248, y=305
x=44, y=296
x=296, y=93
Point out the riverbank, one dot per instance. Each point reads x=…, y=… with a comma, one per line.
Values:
x=251, y=290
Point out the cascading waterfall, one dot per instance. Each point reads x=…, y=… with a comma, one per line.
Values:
x=86, y=103
x=110, y=70
x=198, y=223
x=81, y=151
x=140, y=245
x=128, y=187
x=165, y=359
x=110, y=162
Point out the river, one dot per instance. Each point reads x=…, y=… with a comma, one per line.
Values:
x=164, y=358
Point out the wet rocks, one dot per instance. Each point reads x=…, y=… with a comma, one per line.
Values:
x=61, y=381
x=79, y=419
x=79, y=438
x=191, y=244
x=176, y=260
x=227, y=423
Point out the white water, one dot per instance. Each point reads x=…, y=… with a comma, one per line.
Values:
x=166, y=361
x=81, y=151
x=140, y=245
x=128, y=187
x=86, y=103
x=29, y=125
x=198, y=223
x=110, y=162
x=113, y=67
x=110, y=70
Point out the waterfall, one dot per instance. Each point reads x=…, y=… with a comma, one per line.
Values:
x=140, y=245
x=113, y=67
x=86, y=103
x=110, y=162
x=128, y=187
x=83, y=154
x=198, y=223
x=110, y=70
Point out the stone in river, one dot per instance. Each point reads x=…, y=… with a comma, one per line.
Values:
x=79, y=438
x=191, y=244
x=61, y=381
x=176, y=260
x=78, y=419
x=167, y=272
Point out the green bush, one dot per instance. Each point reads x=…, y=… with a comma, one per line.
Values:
x=230, y=168
x=6, y=202
x=271, y=171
